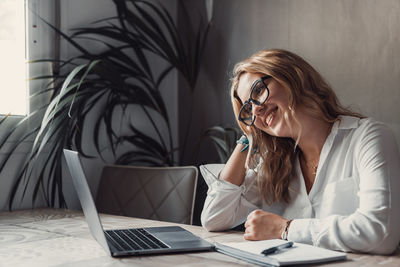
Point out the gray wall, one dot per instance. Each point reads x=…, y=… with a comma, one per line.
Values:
x=355, y=44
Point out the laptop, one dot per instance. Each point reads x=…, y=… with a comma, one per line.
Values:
x=135, y=241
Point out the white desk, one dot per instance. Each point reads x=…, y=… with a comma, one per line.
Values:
x=56, y=237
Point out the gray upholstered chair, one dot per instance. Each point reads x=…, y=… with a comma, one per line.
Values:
x=158, y=193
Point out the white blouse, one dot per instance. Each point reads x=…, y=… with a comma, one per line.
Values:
x=354, y=204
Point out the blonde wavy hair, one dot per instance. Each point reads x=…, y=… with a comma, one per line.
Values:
x=306, y=87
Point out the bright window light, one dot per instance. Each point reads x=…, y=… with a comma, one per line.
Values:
x=13, y=81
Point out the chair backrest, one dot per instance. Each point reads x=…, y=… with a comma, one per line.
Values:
x=158, y=193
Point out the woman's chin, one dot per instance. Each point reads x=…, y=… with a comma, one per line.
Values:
x=277, y=130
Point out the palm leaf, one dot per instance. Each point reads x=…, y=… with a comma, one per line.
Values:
x=222, y=138
x=117, y=78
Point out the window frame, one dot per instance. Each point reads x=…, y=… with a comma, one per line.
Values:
x=39, y=44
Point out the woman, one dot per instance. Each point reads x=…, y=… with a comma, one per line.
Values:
x=306, y=169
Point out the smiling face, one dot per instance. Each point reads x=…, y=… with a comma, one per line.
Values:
x=270, y=117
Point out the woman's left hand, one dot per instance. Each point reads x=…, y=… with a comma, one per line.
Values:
x=261, y=225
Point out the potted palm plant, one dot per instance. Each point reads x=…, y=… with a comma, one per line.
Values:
x=96, y=88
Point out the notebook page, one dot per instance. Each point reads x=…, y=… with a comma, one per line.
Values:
x=255, y=246
x=299, y=253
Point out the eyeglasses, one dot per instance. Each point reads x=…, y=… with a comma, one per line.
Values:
x=259, y=93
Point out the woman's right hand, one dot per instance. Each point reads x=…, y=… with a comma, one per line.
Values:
x=235, y=169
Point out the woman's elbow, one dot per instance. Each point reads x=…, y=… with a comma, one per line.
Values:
x=385, y=239
x=215, y=222
x=386, y=247
x=380, y=239
x=210, y=224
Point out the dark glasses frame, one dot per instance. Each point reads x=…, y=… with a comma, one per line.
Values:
x=248, y=103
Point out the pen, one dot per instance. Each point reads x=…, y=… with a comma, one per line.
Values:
x=276, y=248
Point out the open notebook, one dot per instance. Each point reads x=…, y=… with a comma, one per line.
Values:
x=297, y=254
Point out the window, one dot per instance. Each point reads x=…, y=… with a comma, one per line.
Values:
x=13, y=67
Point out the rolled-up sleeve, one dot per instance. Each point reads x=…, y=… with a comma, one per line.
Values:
x=374, y=226
x=227, y=205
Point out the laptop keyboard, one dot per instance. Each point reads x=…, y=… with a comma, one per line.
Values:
x=133, y=239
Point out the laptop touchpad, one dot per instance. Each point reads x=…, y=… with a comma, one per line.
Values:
x=176, y=236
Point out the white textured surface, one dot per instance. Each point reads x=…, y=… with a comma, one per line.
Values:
x=49, y=239
x=50, y=252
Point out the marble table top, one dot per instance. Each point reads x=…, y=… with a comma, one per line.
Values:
x=58, y=237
